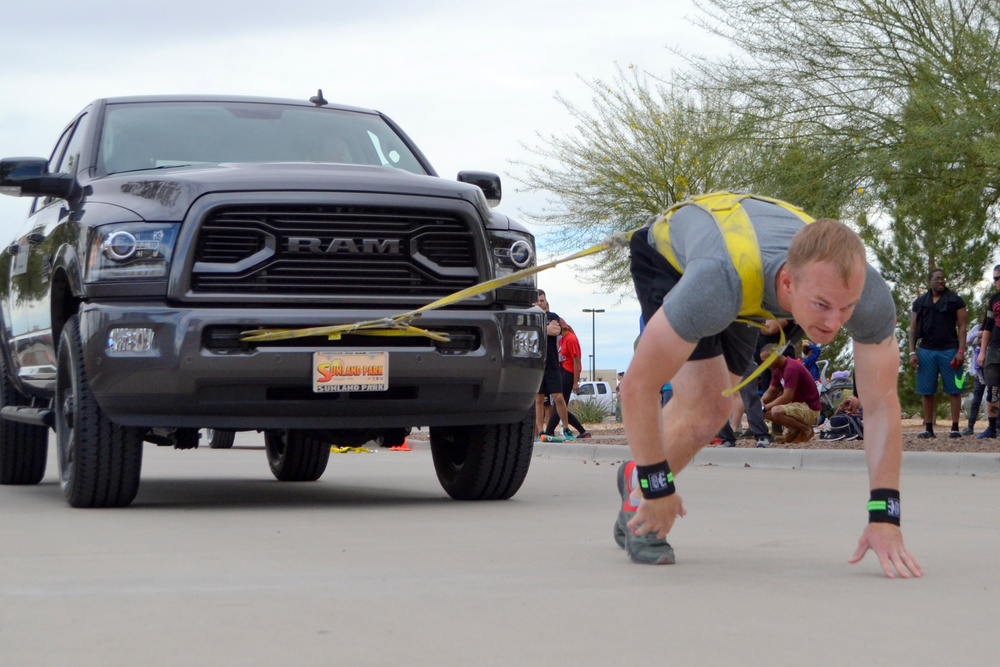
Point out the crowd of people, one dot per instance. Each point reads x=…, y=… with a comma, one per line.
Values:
x=939, y=340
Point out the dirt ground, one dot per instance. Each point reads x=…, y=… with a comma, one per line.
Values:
x=911, y=443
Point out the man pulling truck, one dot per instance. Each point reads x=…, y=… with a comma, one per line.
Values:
x=751, y=258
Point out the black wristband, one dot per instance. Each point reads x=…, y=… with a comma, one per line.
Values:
x=656, y=481
x=883, y=506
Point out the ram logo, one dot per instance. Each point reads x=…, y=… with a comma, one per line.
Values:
x=312, y=245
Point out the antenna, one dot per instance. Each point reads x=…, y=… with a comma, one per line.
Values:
x=318, y=98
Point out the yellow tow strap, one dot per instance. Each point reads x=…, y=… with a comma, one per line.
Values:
x=401, y=325
x=724, y=207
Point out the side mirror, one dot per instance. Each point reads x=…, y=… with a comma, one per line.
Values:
x=28, y=177
x=488, y=182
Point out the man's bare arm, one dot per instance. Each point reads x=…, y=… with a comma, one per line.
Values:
x=877, y=370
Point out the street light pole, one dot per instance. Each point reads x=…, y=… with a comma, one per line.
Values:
x=593, y=340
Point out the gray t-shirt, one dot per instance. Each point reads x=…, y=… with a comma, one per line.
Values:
x=708, y=297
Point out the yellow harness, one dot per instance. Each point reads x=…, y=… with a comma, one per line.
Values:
x=726, y=208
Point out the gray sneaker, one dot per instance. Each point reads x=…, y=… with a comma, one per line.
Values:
x=647, y=549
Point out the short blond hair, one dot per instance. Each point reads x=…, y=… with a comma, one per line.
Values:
x=827, y=240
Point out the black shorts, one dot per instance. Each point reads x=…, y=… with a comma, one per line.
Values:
x=991, y=369
x=654, y=277
x=551, y=382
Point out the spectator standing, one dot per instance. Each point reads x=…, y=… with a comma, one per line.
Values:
x=810, y=357
x=792, y=400
x=938, y=323
x=570, y=364
x=749, y=401
x=989, y=358
x=551, y=381
x=973, y=342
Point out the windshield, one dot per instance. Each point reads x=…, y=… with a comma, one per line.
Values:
x=172, y=134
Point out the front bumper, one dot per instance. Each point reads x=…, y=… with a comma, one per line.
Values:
x=185, y=382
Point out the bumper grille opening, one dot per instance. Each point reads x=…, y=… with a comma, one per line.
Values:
x=226, y=340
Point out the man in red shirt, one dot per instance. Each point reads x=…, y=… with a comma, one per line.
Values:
x=792, y=400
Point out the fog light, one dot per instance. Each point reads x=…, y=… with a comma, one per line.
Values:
x=526, y=344
x=130, y=340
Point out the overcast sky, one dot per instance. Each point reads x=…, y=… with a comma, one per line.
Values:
x=470, y=82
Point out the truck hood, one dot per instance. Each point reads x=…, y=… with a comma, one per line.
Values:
x=166, y=194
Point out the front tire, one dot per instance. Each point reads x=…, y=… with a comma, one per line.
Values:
x=483, y=462
x=296, y=456
x=220, y=438
x=24, y=448
x=99, y=461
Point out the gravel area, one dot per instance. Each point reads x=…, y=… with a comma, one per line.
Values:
x=614, y=433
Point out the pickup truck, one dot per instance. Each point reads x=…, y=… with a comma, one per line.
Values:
x=166, y=229
x=595, y=392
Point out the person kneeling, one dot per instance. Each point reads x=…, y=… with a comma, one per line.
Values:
x=792, y=400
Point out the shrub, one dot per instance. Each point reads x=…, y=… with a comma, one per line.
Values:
x=590, y=412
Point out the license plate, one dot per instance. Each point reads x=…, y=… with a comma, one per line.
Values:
x=350, y=371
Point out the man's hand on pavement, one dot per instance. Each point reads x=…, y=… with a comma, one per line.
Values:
x=886, y=540
x=657, y=516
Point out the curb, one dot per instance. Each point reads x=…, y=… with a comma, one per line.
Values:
x=834, y=460
x=914, y=463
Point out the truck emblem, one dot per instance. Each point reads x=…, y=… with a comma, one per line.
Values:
x=351, y=246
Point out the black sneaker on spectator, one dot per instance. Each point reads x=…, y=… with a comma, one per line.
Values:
x=764, y=441
x=925, y=435
x=968, y=431
x=954, y=434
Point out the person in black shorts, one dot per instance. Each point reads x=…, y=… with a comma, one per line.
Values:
x=551, y=386
x=989, y=358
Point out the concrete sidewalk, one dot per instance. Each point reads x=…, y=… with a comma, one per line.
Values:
x=923, y=463
x=919, y=463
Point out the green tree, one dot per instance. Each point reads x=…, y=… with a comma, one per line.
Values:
x=644, y=145
x=904, y=99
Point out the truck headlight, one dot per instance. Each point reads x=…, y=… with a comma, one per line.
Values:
x=132, y=251
x=513, y=251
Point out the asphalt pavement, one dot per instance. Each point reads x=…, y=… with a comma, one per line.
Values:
x=217, y=563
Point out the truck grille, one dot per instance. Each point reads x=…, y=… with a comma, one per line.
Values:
x=326, y=250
